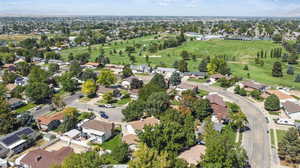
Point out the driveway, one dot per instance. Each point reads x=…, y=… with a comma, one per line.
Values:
x=256, y=140
x=44, y=110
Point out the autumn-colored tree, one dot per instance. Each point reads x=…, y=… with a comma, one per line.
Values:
x=89, y=88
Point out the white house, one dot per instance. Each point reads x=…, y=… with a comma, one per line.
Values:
x=99, y=131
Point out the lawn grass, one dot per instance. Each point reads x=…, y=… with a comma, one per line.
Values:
x=274, y=113
x=272, y=137
x=240, y=53
x=197, y=80
x=25, y=108
x=203, y=93
x=123, y=101
x=280, y=134
x=112, y=143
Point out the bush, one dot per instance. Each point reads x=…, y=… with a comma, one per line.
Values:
x=272, y=103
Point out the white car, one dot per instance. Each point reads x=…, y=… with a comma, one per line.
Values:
x=282, y=121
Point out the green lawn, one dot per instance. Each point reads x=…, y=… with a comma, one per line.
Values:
x=274, y=113
x=123, y=101
x=112, y=143
x=280, y=134
x=25, y=108
x=239, y=53
x=272, y=137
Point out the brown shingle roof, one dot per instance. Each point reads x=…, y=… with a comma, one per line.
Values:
x=139, y=125
x=98, y=125
x=291, y=107
x=193, y=155
x=130, y=139
x=46, y=119
x=253, y=85
x=44, y=159
x=94, y=64
x=281, y=95
x=216, y=99
x=220, y=111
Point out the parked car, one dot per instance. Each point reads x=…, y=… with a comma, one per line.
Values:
x=103, y=115
x=37, y=108
x=89, y=109
x=109, y=106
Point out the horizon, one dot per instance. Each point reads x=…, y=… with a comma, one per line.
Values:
x=200, y=8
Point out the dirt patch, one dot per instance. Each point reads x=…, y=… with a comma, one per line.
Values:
x=58, y=145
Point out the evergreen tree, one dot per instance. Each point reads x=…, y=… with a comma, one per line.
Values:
x=175, y=79
x=277, y=70
x=272, y=103
x=290, y=70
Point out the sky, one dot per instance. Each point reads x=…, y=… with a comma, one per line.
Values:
x=152, y=7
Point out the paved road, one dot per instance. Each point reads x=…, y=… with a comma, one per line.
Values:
x=114, y=114
x=44, y=110
x=256, y=141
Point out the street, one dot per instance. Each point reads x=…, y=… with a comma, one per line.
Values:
x=256, y=140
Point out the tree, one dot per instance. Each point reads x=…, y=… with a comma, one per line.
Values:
x=201, y=109
x=277, y=70
x=23, y=68
x=68, y=83
x=106, y=78
x=297, y=79
x=157, y=103
x=159, y=80
x=58, y=102
x=203, y=65
x=185, y=55
x=255, y=94
x=38, y=75
x=183, y=66
x=70, y=119
x=136, y=83
x=272, y=103
x=238, y=120
x=149, y=89
x=146, y=157
x=246, y=68
x=290, y=70
x=53, y=68
x=175, y=79
x=222, y=151
x=277, y=38
x=38, y=92
x=89, y=159
x=8, y=120
x=107, y=97
x=134, y=111
x=120, y=153
x=75, y=68
x=127, y=72
x=89, y=88
x=88, y=74
x=289, y=147
x=9, y=77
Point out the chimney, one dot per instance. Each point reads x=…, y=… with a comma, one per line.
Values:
x=38, y=158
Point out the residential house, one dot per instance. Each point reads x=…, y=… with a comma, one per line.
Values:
x=292, y=109
x=3, y=151
x=115, y=68
x=74, y=133
x=131, y=129
x=41, y=158
x=220, y=111
x=251, y=86
x=126, y=83
x=140, y=68
x=193, y=155
x=9, y=67
x=199, y=75
x=15, y=103
x=165, y=71
x=91, y=65
x=21, y=81
x=98, y=131
x=19, y=140
x=104, y=90
x=216, y=77
x=282, y=95
x=50, y=122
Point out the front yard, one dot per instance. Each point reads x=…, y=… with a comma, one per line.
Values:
x=25, y=108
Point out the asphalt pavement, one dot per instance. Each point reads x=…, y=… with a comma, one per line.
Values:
x=255, y=141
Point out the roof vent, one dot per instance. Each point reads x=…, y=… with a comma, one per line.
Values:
x=38, y=158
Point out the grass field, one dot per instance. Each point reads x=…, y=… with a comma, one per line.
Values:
x=241, y=53
x=17, y=37
x=280, y=134
x=25, y=108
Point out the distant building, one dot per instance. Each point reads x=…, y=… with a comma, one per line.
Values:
x=140, y=68
x=91, y=65
x=21, y=81
x=19, y=140
x=282, y=95
x=199, y=75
